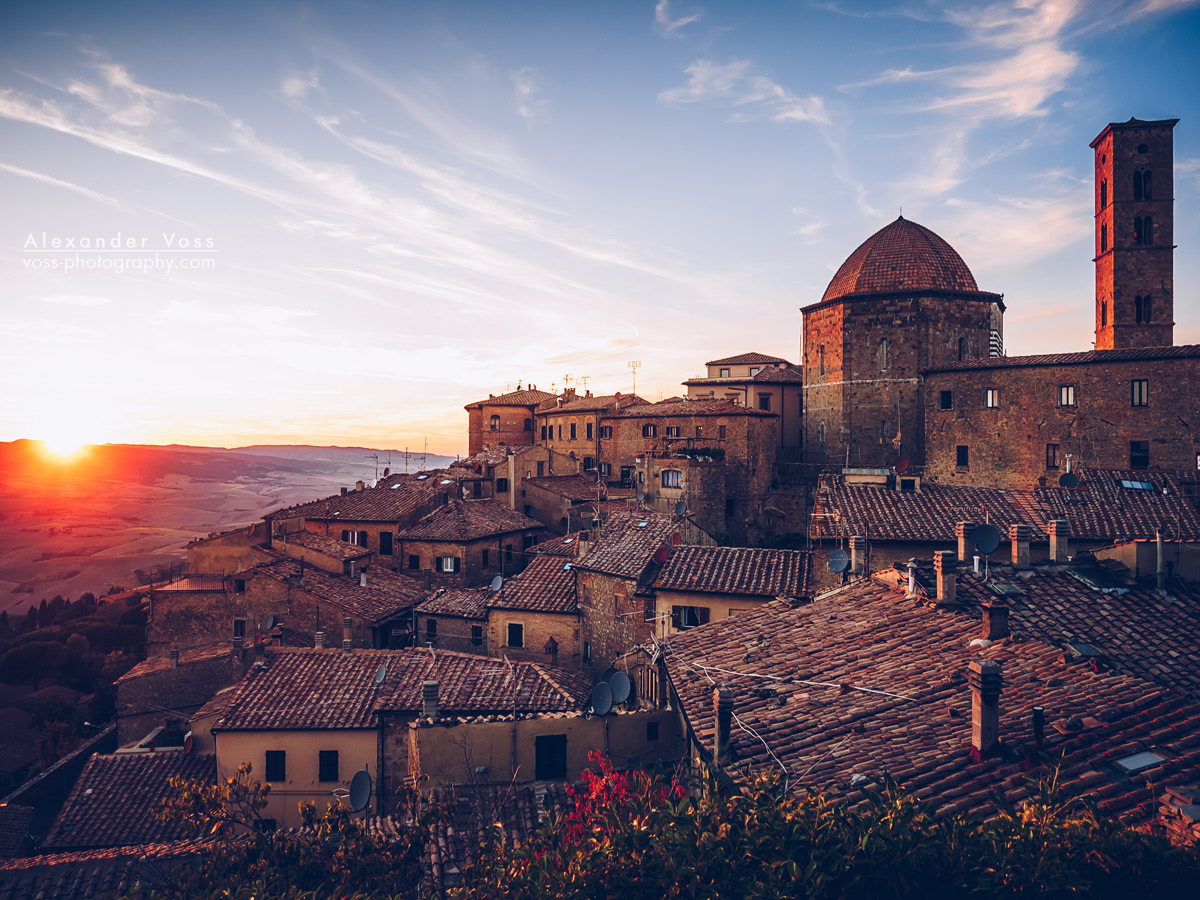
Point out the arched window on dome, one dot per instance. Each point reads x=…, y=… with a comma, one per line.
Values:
x=884, y=362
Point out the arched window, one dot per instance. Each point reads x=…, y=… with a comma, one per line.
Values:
x=1147, y=230
x=883, y=355
x=1104, y=314
x=495, y=423
x=962, y=349
x=1146, y=185
x=1103, y=238
x=821, y=360
x=1146, y=308
x=820, y=432
x=1104, y=194
x=884, y=437
x=1137, y=229
x=1137, y=185
x=1137, y=308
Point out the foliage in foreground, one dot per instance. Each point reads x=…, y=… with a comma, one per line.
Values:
x=630, y=835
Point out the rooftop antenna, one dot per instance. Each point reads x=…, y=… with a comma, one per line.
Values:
x=584, y=379
x=567, y=381
x=374, y=456
x=634, y=365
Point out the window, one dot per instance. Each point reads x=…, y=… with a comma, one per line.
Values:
x=485, y=562
x=1141, y=186
x=587, y=647
x=449, y=563
x=884, y=437
x=820, y=432
x=991, y=398
x=1137, y=229
x=1104, y=314
x=385, y=543
x=560, y=432
x=528, y=426
x=414, y=562
x=361, y=539
x=672, y=478
x=1137, y=185
x=699, y=431
x=327, y=765
x=720, y=432
x=1139, y=454
x=276, y=768
x=1066, y=395
x=605, y=432
x=550, y=757
x=1139, y=392
x=684, y=617
x=764, y=402
x=1147, y=230
x=543, y=432
x=589, y=463
x=649, y=430
x=239, y=628
x=239, y=585
x=673, y=431
x=1052, y=456
x=495, y=423
x=754, y=370
x=821, y=360
x=1104, y=194
x=723, y=373
x=651, y=731
x=541, y=469
x=345, y=535
x=1141, y=309
x=884, y=362
x=606, y=469
x=477, y=635
x=516, y=635
x=573, y=427
x=963, y=456
x=946, y=400
x=908, y=485
x=501, y=485
x=589, y=431
x=431, y=631
x=1103, y=238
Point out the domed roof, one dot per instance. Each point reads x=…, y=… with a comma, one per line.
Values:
x=902, y=256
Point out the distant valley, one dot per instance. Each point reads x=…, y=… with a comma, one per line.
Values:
x=89, y=523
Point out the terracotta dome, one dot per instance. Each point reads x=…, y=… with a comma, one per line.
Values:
x=902, y=256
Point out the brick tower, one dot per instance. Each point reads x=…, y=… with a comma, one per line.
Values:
x=1135, y=231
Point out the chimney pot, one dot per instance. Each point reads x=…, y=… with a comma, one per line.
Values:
x=174, y=659
x=995, y=620
x=963, y=531
x=984, y=677
x=947, y=578
x=346, y=648
x=723, y=701
x=1039, y=726
x=858, y=554
x=362, y=579
x=1160, y=578
x=347, y=624
x=1020, y=535
x=1060, y=532
x=912, y=578
x=319, y=640
x=238, y=645
x=429, y=699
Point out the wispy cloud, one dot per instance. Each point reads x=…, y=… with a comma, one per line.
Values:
x=530, y=106
x=669, y=27
x=753, y=96
x=76, y=300
x=57, y=182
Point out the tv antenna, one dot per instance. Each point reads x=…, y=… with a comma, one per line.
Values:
x=634, y=365
x=374, y=456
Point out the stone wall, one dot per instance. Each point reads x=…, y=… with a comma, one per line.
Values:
x=537, y=628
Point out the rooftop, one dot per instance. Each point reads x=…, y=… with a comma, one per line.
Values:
x=112, y=871
x=1072, y=359
x=468, y=520
x=546, y=585
x=736, y=570
x=578, y=488
x=333, y=689
x=747, y=359
x=467, y=603
x=385, y=595
x=588, y=403
x=397, y=498
x=680, y=407
x=190, y=656
x=530, y=397
x=335, y=549
x=628, y=540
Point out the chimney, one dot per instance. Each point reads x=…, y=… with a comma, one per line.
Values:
x=723, y=725
x=1060, y=532
x=551, y=649
x=1161, y=570
x=427, y=578
x=353, y=568
x=995, y=619
x=1019, y=535
x=260, y=654
x=858, y=554
x=912, y=578
x=963, y=531
x=347, y=624
x=983, y=675
x=429, y=699
x=319, y=640
x=1039, y=726
x=362, y=579
x=345, y=491
x=947, y=580
x=358, y=486
x=238, y=645
x=174, y=659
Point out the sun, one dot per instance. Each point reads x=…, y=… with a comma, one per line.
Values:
x=63, y=446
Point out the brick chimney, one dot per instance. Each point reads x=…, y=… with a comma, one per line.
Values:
x=723, y=725
x=947, y=581
x=983, y=675
x=347, y=624
x=238, y=645
x=966, y=549
x=319, y=640
x=1060, y=532
x=362, y=579
x=1020, y=535
x=429, y=699
x=174, y=659
x=858, y=554
x=995, y=620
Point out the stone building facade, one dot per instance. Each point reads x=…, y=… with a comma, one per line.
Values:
x=504, y=419
x=762, y=382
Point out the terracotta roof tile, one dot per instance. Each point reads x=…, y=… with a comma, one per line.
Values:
x=591, y=404
x=546, y=585
x=627, y=542
x=1073, y=359
x=746, y=359
x=570, y=487
x=513, y=398
x=332, y=689
x=736, y=570
x=331, y=547
x=672, y=408
x=397, y=498
x=117, y=799
x=14, y=829
x=385, y=596
x=87, y=874
x=468, y=520
x=467, y=603
x=187, y=657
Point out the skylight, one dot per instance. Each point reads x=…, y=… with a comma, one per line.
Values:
x=1137, y=485
x=642, y=524
x=1139, y=761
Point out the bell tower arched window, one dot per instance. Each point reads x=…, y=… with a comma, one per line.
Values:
x=1146, y=308
x=1104, y=314
x=1137, y=308
x=1103, y=238
x=1104, y=194
x=1147, y=230
x=1137, y=230
x=821, y=360
x=1137, y=185
x=883, y=355
x=1146, y=194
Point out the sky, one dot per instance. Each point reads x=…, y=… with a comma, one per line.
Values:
x=340, y=223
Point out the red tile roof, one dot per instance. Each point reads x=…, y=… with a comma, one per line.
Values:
x=335, y=549
x=385, y=596
x=14, y=829
x=566, y=546
x=397, y=498
x=746, y=359
x=861, y=682
x=1098, y=509
x=579, y=488
x=546, y=585
x=513, y=398
x=87, y=874
x=590, y=404
x=736, y=570
x=627, y=542
x=467, y=603
x=494, y=455
x=468, y=520
x=901, y=256
x=187, y=657
x=674, y=408
x=117, y=799
x=332, y=689
x=1073, y=359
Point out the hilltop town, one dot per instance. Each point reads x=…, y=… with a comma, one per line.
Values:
x=908, y=554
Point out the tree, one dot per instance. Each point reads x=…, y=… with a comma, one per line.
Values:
x=31, y=662
x=43, y=614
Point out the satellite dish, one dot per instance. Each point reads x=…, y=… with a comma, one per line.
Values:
x=839, y=561
x=271, y=623
x=608, y=674
x=660, y=555
x=1068, y=480
x=360, y=790
x=188, y=743
x=387, y=471
x=497, y=583
x=602, y=699
x=617, y=395
x=676, y=539
x=986, y=538
x=621, y=687
x=532, y=510
x=680, y=508
x=381, y=673
x=902, y=464
x=641, y=495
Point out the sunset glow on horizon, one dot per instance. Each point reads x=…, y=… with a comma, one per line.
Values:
x=242, y=224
